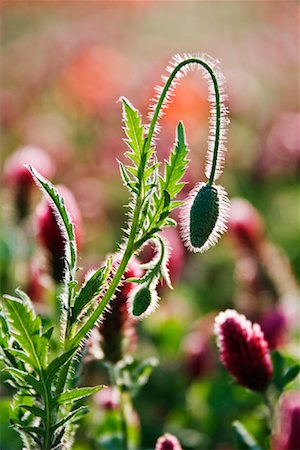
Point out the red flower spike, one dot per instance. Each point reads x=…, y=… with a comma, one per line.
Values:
x=168, y=442
x=50, y=234
x=243, y=350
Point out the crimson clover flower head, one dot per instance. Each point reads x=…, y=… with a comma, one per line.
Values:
x=168, y=442
x=243, y=350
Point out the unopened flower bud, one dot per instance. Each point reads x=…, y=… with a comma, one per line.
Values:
x=243, y=350
x=142, y=301
x=168, y=442
x=204, y=217
x=51, y=236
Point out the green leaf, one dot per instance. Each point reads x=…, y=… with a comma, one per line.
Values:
x=278, y=368
x=176, y=166
x=34, y=410
x=67, y=227
x=75, y=395
x=25, y=379
x=73, y=416
x=134, y=131
x=57, y=364
x=89, y=291
x=243, y=439
x=290, y=374
x=26, y=329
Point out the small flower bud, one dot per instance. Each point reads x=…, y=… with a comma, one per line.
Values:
x=287, y=436
x=143, y=301
x=50, y=234
x=243, y=350
x=204, y=217
x=168, y=442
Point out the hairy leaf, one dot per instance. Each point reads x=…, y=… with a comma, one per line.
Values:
x=75, y=394
x=64, y=218
x=176, y=166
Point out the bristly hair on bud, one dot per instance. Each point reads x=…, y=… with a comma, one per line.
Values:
x=243, y=350
x=204, y=216
x=168, y=442
x=143, y=301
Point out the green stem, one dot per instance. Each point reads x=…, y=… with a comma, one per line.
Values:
x=218, y=108
x=113, y=380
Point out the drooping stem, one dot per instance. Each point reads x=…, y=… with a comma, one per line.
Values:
x=162, y=98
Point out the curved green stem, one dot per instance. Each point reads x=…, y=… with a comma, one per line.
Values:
x=218, y=108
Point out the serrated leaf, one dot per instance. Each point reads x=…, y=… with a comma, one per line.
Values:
x=176, y=166
x=73, y=416
x=75, y=394
x=133, y=127
x=90, y=289
x=65, y=221
x=57, y=364
x=242, y=437
x=26, y=329
x=34, y=410
x=25, y=379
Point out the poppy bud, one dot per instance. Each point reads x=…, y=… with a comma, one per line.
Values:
x=204, y=216
x=243, y=350
x=142, y=301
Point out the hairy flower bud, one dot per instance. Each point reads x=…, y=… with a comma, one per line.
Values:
x=142, y=301
x=168, y=442
x=49, y=233
x=19, y=178
x=243, y=350
x=117, y=329
x=287, y=436
x=204, y=217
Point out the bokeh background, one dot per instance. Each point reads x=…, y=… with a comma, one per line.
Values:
x=64, y=64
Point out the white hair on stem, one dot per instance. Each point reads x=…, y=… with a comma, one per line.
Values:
x=217, y=125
